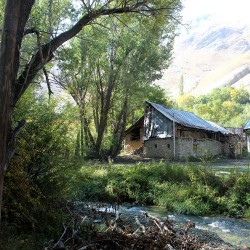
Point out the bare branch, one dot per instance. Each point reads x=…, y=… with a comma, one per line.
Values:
x=124, y=23
x=47, y=81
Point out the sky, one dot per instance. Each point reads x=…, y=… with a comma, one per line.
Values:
x=223, y=10
x=201, y=13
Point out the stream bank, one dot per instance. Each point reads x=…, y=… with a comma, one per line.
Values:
x=126, y=228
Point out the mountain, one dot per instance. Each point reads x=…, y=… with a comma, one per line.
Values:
x=209, y=54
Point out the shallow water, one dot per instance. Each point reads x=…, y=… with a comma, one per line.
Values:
x=234, y=231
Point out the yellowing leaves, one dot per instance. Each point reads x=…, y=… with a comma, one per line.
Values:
x=186, y=102
x=228, y=104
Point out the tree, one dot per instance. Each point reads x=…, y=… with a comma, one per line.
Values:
x=181, y=85
x=15, y=78
x=186, y=102
x=226, y=106
x=106, y=77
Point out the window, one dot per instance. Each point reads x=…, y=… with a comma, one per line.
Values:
x=135, y=134
x=168, y=146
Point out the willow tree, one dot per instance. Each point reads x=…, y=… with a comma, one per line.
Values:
x=20, y=64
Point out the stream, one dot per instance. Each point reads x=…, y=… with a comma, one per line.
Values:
x=234, y=231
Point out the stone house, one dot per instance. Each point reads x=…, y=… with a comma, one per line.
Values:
x=175, y=134
x=246, y=129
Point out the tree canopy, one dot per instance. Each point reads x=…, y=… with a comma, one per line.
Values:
x=227, y=106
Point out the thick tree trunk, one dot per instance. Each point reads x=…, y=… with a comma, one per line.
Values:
x=106, y=104
x=7, y=58
x=120, y=130
x=103, y=120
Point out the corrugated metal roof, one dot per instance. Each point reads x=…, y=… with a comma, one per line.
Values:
x=247, y=125
x=188, y=119
x=220, y=129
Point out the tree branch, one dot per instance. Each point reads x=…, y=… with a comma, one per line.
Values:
x=47, y=81
x=40, y=59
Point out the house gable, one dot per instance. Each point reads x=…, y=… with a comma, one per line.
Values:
x=156, y=124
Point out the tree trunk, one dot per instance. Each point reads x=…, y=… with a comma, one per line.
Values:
x=7, y=58
x=103, y=120
x=120, y=130
x=81, y=137
x=105, y=108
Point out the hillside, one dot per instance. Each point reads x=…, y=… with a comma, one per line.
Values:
x=209, y=55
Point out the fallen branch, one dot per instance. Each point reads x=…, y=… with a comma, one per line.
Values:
x=141, y=226
x=125, y=232
x=59, y=242
x=75, y=232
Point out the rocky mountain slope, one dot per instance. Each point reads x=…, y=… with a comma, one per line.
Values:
x=208, y=55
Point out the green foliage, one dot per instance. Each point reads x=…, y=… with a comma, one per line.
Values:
x=184, y=189
x=12, y=240
x=1, y=12
x=227, y=106
x=36, y=179
x=186, y=102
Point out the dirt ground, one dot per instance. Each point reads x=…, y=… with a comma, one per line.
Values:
x=232, y=163
x=229, y=165
x=223, y=164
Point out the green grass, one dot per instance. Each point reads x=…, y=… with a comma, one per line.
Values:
x=183, y=188
x=12, y=240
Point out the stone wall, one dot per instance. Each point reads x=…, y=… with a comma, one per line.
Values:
x=184, y=147
x=225, y=149
x=208, y=147
x=159, y=148
x=238, y=149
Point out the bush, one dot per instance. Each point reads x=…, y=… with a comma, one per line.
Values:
x=35, y=182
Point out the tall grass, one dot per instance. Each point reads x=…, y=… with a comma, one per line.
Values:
x=181, y=188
